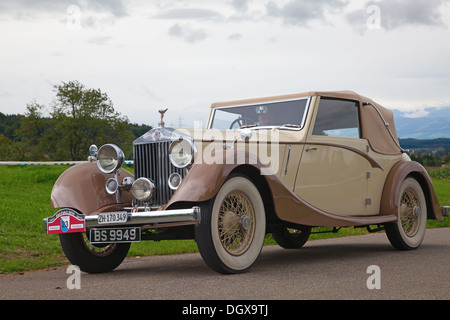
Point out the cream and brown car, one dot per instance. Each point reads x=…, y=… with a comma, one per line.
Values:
x=280, y=165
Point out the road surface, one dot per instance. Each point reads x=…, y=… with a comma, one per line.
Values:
x=323, y=269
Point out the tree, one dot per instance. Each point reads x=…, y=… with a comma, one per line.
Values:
x=32, y=135
x=79, y=117
x=82, y=117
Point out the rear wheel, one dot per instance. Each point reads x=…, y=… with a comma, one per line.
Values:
x=408, y=232
x=231, y=233
x=291, y=238
x=92, y=258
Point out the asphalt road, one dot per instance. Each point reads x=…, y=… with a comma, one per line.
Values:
x=323, y=269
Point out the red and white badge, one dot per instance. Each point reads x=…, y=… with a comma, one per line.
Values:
x=66, y=221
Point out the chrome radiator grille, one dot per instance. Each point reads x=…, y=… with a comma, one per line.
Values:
x=151, y=160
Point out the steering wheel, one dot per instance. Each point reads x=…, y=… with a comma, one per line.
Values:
x=240, y=121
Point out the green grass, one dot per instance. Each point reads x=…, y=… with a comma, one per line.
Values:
x=25, y=201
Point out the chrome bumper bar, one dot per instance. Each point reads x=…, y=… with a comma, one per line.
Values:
x=176, y=216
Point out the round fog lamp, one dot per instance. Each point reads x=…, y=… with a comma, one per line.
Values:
x=143, y=189
x=112, y=185
x=174, y=181
x=110, y=158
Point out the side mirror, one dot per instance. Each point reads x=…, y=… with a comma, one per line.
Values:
x=246, y=134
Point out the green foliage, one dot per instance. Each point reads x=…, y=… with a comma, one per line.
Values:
x=8, y=124
x=79, y=117
x=83, y=117
x=441, y=173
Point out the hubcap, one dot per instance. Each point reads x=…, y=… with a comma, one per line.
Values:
x=246, y=223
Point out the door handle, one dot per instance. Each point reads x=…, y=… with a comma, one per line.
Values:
x=311, y=148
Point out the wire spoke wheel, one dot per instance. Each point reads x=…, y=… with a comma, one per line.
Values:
x=408, y=232
x=231, y=233
x=236, y=223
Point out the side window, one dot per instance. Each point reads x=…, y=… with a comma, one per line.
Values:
x=337, y=118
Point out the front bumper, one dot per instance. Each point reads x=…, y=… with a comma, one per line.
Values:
x=174, y=217
x=69, y=220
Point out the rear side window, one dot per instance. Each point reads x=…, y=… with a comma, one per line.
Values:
x=337, y=118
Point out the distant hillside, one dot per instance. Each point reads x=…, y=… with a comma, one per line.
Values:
x=409, y=143
x=434, y=124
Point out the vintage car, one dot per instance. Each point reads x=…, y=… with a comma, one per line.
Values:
x=277, y=165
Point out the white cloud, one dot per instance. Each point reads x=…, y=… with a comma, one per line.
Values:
x=184, y=55
x=187, y=33
x=303, y=12
x=393, y=14
x=416, y=113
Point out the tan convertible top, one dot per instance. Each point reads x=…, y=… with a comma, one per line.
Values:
x=373, y=127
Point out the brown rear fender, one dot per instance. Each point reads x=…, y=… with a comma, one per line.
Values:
x=391, y=191
x=82, y=187
x=205, y=179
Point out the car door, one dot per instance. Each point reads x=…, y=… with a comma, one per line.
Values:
x=333, y=172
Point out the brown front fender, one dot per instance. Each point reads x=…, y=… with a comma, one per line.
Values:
x=391, y=191
x=206, y=177
x=82, y=187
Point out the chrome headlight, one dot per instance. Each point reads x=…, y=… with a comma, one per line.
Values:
x=143, y=189
x=110, y=158
x=182, y=153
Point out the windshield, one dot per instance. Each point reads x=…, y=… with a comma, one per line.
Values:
x=289, y=114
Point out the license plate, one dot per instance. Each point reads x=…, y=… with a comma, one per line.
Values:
x=114, y=235
x=112, y=217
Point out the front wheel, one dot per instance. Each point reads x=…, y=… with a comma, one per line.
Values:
x=89, y=258
x=231, y=234
x=408, y=232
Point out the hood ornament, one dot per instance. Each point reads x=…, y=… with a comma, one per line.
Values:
x=161, y=122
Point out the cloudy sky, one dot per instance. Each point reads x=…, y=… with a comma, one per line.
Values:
x=186, y=54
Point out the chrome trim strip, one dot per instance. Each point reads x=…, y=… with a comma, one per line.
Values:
x=153, y=217
x=287, y=161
